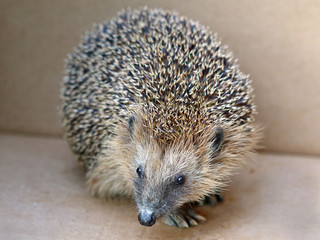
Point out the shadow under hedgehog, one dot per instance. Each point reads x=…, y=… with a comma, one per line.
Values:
x=156, y=109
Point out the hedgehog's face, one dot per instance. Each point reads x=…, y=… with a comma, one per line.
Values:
x=162, y=182
x=167, y=177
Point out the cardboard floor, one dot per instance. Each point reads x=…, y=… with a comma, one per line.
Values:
x=43, y=197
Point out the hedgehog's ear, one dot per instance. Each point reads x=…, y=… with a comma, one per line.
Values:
x=216, y=140
x=131, y=123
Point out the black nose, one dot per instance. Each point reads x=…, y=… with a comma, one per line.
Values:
x=147, y=218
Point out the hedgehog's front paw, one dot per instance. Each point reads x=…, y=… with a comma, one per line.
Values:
x=183, y=219
x=211, y=200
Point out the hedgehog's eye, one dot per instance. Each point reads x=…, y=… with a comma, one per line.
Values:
x=139, y=171
x=180, y=180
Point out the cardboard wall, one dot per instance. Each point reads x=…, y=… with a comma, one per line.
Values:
x=277, y=42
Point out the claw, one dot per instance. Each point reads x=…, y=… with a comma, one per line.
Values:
x=184, y=219
x=219, y=197
x=191, y=222
x=179, y=221
x=212, y=200
x=192, y=213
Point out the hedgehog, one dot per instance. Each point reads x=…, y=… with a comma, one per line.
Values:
x=156, y=109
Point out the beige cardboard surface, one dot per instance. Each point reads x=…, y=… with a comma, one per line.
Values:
x=43, y=197
x=277, y=42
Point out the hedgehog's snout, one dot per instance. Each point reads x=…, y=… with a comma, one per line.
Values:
x=147, y=218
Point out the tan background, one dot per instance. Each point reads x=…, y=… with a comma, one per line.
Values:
x=277, y=42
